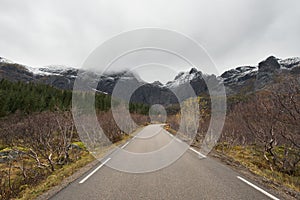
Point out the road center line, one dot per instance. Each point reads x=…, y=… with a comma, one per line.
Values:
x=200, y=154
x=258, y=188
x=94, y=171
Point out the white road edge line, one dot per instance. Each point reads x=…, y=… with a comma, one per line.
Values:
x=136, y=136
x=178, y=140
x=94, y=171
x=258, y=188
x=200, y=154
x=125, y=145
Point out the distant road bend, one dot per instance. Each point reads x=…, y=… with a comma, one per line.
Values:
x=192, y=176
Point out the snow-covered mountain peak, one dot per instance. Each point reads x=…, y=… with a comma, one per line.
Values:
x=235, y=80
x=184, y=77
x=4, y=60
x=239, y=74
x=54, y=70
x=289, y=62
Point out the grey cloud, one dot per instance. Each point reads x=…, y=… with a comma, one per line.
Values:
x=234, y=32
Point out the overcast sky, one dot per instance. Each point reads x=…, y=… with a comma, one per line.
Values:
x=234, y=32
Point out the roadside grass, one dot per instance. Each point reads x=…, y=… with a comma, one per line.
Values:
x=31, y=192
x=2, y=147
x=252, y=158
x=58, y=176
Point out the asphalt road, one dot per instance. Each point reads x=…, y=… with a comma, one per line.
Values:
x=192, y=176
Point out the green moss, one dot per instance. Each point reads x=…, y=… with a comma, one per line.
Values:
x=13, y=148
x=80, y=144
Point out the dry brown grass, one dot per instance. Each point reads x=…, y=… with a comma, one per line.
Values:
x=252, y=158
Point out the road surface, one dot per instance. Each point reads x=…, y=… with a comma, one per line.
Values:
x=192, y=176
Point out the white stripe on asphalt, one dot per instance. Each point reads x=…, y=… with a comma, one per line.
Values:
x=136, y=136
x=124, y=145
x=93, y=172
x=258, y=188
x=178, y=140
x=200, y=154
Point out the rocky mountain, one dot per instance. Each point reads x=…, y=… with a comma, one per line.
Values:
x=247, y=79
x=57, y=76
x=244, y=79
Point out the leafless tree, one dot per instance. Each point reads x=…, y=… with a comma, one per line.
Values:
x=271, y=120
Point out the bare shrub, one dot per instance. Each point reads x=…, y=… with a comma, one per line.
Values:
x=270, y=120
